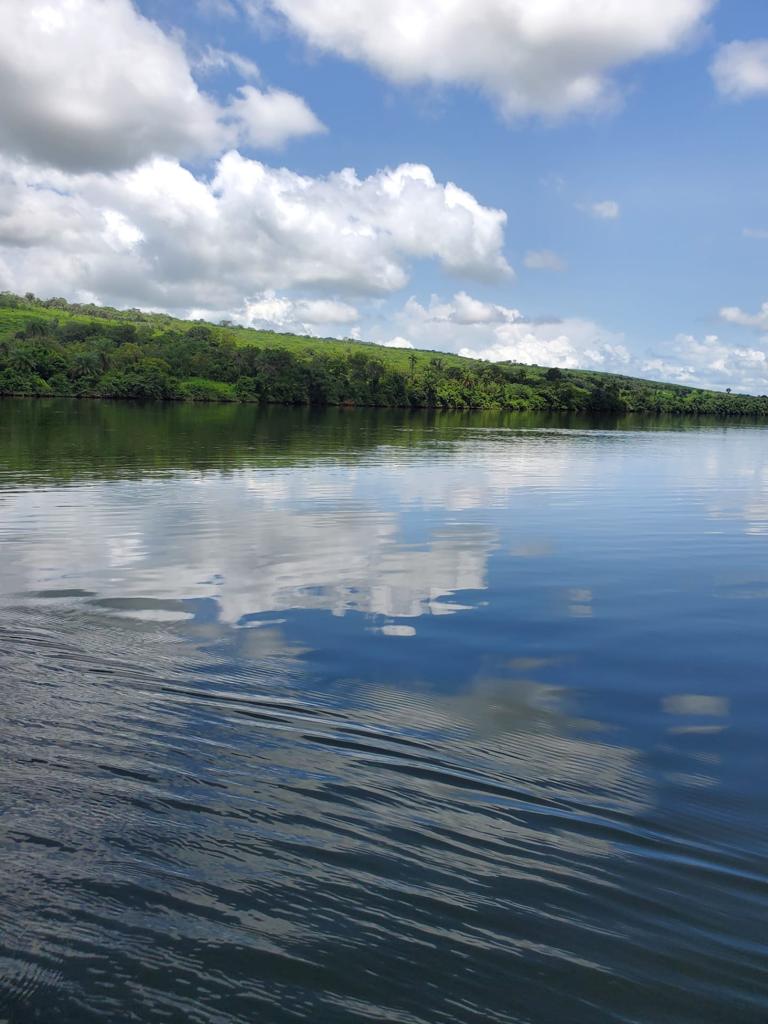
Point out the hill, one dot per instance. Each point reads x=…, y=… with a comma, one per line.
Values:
x=55, y=348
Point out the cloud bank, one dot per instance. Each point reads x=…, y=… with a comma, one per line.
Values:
x=98, y=87
x=551, y=57
x=710, y=362
x=159, y=236
x=484, y=330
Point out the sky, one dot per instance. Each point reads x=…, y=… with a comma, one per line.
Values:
x=579, y=183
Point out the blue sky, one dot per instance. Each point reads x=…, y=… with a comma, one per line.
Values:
x=651, y=115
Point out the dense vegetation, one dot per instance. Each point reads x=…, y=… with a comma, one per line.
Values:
x=55, y=348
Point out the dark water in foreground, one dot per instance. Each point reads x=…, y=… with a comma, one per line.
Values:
x=365, y=717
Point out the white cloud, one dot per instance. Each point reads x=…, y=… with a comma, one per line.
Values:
x=464, y=309
x=544, y=259
x=399, y=342
x=268, y=119
x=80, y=100
x=312, y=311
x=740, y=69
x=734, y=315
x=119, y=232
x=570, y=344
x=497, y=333
x=574, y=342
x=606, y=209
x=185, y=241
x=755, y=232
x=551, y=57
x=271, y=311
x=213, y=59
x=97, y=86
x=710, y=362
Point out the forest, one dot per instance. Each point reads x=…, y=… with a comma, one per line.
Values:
x=51, y=347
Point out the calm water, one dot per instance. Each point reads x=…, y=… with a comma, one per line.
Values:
x=356, y=716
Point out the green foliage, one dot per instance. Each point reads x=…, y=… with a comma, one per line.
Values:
x=52, y=347
x=198, y=389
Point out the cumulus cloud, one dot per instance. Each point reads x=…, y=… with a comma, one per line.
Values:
x=552, y=57
x=571, y=344
x=275, y=309
x=97, y=86
x=269, y=118
x=710, y=362
x=161, y=237
x=464, y=309
x=498, y=333
x=399, y=342
x=544, y=259
x=578, y=343
x=270, y=311
x=734, y=315
x=740, y=69
x=606, y=209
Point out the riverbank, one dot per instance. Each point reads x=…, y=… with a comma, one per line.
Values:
x=56, y=349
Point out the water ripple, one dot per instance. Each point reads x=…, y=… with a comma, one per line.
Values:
x=400, y=723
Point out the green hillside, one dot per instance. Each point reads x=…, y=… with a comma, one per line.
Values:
x=55, y=348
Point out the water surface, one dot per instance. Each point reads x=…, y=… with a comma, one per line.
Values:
x=363, y=716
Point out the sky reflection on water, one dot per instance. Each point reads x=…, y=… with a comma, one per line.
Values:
x=383, y=718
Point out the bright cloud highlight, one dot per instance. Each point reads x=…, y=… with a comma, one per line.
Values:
x=98, y=87
x=551, y=57
x=161, y=237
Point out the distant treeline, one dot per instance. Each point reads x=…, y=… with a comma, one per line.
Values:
x=88, y=351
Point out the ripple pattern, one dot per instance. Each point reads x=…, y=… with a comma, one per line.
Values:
x=468, y=725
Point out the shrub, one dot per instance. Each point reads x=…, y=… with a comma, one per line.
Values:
x=248, y=389
x=198, y=389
